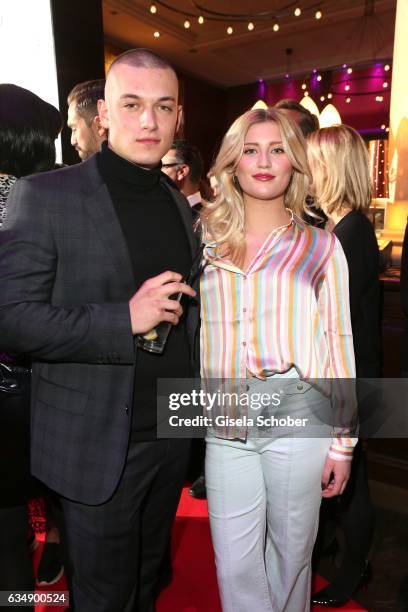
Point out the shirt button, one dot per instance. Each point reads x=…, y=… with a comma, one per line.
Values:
x=244, y=343
x=300, y=387
x=244, y=310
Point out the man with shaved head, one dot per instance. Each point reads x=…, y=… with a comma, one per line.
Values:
x=89, y=257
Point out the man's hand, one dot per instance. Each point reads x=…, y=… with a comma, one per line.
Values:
x=339, y=473
x=151, y=304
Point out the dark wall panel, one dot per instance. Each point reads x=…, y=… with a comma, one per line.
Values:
x=79, y=50
x=204, y=115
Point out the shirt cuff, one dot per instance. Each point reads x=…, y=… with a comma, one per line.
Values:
x=342, y=447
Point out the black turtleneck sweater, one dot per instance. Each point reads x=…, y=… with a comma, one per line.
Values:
x=157, y=241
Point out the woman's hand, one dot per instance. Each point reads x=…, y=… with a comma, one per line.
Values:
x=335, y=477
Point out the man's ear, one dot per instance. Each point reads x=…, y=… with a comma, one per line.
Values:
x=103, y=114
x=98, y=127
x=182, y=172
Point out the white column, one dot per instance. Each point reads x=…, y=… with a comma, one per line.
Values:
x=397, y=210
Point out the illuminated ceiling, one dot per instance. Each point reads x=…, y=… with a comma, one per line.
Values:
x=209, y=52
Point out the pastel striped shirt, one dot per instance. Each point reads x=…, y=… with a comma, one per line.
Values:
x=289, y=308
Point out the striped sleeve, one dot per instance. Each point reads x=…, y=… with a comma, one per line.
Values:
x=334, y=305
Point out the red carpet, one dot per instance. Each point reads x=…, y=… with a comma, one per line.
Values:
x=194, y=587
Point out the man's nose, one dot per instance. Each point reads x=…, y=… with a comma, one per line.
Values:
x=148, y=119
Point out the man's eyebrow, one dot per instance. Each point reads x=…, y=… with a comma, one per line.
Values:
x=136, y=97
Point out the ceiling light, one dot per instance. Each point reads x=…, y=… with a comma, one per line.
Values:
x=329, y=116
x=385, y=84
x=156, y=34
x=230, y=30
x=250, y=26
x=322, y=98
x=329, y=96
x=306, y=93
x=200, y=20
x=383, y=126
x=349, y=70
x=187, y=24
x=348, y=100
x=303, y=85
x=298, y=12
x=275, y=27
x=318, y=14
x=153, y=8
x=386, y=67
x=311, y=105
x=319, y=77
x=259, y=104
x=347, y=87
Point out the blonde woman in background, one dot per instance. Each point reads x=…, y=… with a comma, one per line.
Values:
x=341, y=187
x=274, y=310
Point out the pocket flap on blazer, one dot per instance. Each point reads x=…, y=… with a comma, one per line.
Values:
x=60, y=397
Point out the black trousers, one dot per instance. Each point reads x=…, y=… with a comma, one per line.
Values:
x=116, y=549
x=16, y=569
x=355, y=511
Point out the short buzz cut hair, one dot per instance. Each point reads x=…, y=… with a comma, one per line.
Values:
x=308, y=122
x=85, y=96
x=189, y=154
x=142, y=58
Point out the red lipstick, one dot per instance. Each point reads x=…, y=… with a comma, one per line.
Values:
x=263, y=176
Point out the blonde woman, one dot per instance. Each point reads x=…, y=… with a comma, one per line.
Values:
x=341, y=186
x=274, y=309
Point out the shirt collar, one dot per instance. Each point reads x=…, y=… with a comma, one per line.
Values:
x=295, y=221
x=194, y=198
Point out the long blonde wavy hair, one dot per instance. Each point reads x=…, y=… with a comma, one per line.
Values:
x=223, y=220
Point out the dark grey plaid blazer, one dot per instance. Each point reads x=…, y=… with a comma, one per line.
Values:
x=65, y=282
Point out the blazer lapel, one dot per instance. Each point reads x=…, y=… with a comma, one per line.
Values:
x=186, y=216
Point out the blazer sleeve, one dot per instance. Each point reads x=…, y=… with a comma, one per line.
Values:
x=29, y=322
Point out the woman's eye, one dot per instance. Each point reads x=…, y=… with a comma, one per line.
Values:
x=249, y=151
x=278, y=150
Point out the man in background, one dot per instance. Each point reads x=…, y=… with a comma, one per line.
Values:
x=87, y=132
x=307, y=121
x=184, y=165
